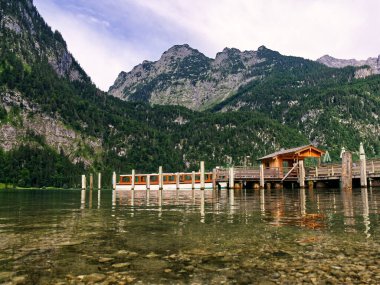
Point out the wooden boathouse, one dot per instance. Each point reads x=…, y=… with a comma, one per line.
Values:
x=287, y=167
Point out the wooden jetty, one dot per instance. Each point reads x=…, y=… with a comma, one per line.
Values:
x=282, y=168
x=287, y=167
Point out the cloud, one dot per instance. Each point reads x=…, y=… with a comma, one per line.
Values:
x=110, y=36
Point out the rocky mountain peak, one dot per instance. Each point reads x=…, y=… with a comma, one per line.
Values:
x=370, y=66
x=179, y=52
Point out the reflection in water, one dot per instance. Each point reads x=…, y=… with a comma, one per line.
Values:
x=160, y=203
x=262, y=202
x=231, y=203
x=90, y=200
x=44, y=235
x=302, y=202
x=312, y=209
x=348, y=208
x=366, y=212
x=83, y=199
x=147, y=198
x=202, y=206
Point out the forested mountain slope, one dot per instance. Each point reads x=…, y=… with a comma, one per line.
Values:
x=55, y=124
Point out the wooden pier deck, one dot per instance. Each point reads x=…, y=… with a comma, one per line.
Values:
x=277, y=176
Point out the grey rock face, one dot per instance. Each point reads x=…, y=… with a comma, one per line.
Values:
x=52, y=46
x=31, y=119
x=373, y=64
x=184, y=76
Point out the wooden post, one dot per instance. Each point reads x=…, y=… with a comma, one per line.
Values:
x=148, y=182
x=262, y=182
x=363, y=167
x=91, y=182
x=316, y=171
x=231, y=178
x=346, y=170
x=373, y=166
x=301, y=178
x=99, y=181
x=177, y=180
x=160, y=178
x=214, y=178
x=202, y=175
x=133, y=179
x=193, y=180
x=114, y=180
x=332, y=170
x=83, y=182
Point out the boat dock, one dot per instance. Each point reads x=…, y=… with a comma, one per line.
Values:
x=285, y=168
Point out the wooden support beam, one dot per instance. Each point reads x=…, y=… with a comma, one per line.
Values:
x=193, y=180
x=133, y=179
x=363, y=167
x=91, y=182
x=148, y=182
x=301, y=175
x=99, y=181
x=262, y=182
x=202, y=175
x=114, y=180
x=346, y=178
x=177, y=180
x=231, y=177
x=83, y=182
x=160, y=178
x=214, y=178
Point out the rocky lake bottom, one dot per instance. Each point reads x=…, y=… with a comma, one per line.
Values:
x=320, y=236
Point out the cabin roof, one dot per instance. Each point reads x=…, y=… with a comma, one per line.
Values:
x=294, y=150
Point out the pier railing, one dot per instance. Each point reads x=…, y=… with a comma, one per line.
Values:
x=251, y=173
x=335, y=170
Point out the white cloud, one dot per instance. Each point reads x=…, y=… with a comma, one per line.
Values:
x=109, y=36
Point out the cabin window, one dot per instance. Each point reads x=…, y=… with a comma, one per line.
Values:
x=154, y=178
x=187, y=177
x=171, y=178
x=197, y=177
x=143, y=178
x=126, y=179
x=136, y=179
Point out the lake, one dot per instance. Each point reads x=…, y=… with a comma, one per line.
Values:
x=320, y=236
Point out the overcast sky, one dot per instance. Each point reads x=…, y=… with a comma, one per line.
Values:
x=109, y=36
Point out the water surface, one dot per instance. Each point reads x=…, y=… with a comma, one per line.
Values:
x=322, y=236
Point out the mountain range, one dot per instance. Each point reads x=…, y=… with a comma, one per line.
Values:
x=55, y=124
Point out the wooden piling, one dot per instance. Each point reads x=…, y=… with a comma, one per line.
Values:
x=231, y=178
x=363, y=167
x=148, y=182
x=114, y=180
x=262, y=182
x=346, y=178
x=83, y=182
x=301, y=178
x=91, y=182
x=202, y=175
x=99, y=181
x=214, y=178
x=133, y=179
x=160, y=178
x=177, y=180
x=193, y=180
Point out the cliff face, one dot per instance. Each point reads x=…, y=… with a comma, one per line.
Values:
x=24, y=33
x=184, y=76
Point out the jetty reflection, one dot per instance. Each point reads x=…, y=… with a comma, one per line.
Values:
x=315, y=209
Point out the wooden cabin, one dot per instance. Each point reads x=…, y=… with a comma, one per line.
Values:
x=286, y=158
